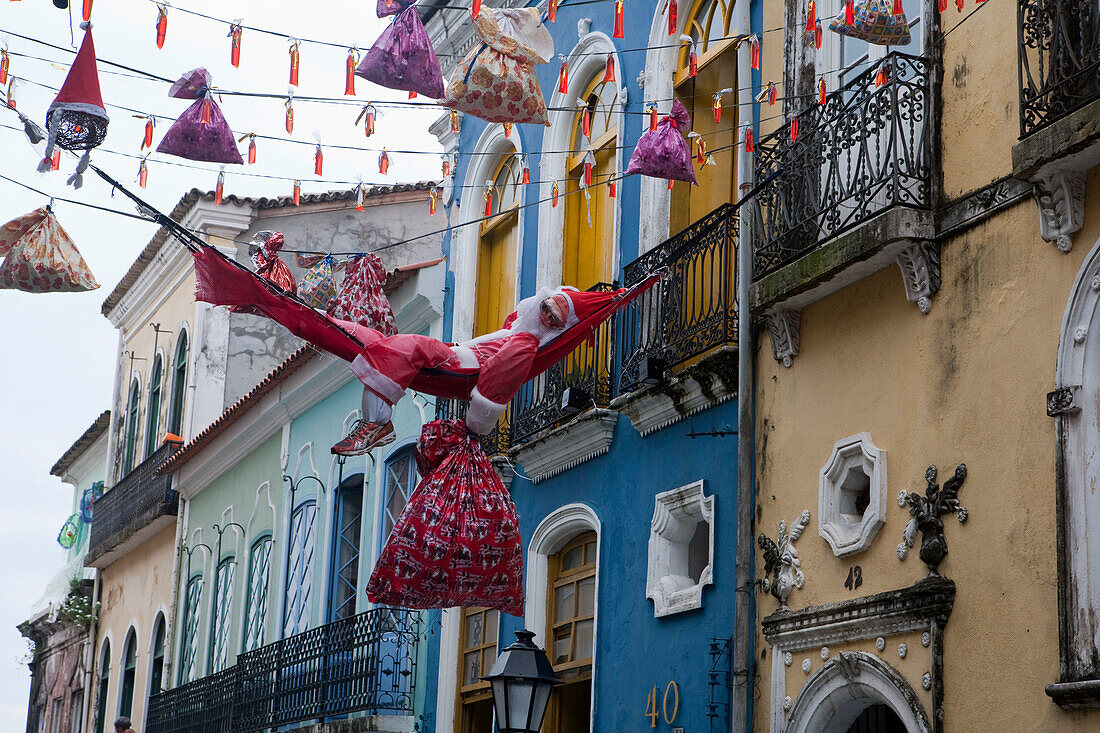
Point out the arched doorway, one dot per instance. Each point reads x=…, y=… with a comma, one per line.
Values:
x=877, y=718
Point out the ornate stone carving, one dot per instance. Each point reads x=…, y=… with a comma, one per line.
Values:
x=784, y=329
x=925, y=639
x=920, y=273
x=806, y=665
x=824, y=652
x=851, y=498
x=846, y=663
x=977, y=206
x=584, y=26
x=880, y=643
x=1060, y=195
x=782, y=568
x=787, y=659
x=902, y=650
x=926, y=681
x=926, y=512
x=787, y=703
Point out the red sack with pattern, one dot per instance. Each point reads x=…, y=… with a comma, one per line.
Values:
x=457, y=542
x=361, y=298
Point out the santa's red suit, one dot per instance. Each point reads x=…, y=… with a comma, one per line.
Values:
x=387, y=365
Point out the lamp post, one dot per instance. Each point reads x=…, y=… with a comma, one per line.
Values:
x=521, y=678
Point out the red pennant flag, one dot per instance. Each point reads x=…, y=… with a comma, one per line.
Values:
x=11, y=92
x=588, y=173
x=754, y=47
x=488, y=200
x=294, y=63
x=670, y=182
x=849, y=12
x=446, y=166
x=618, y=32
x=794, y=129
x=563, y=78
x=432, y=196
x=143, y=174
x=898, y=9
x=652, y=117
x=818, y=35
x=5, y=62
x=609, y=69
x=586, y=122
x=526, y=172
x=773, y=93
x=251, y=149
x=748, y=140
x=219, y=189
x=205, y=118
x=821, y=90
x=672, y=25
x=297, y=195
x=455, y=127
x=552, y=10
x=289, y=116
x=507, y=129
x=718, y=107
x=368, y=115
x=383, y=162
x=318, y=160
x=360, y=198
x=943, y=5
x=958, y=4
x=811, y=16
x=554, y=195
x=475, y=9
x=349, y=75
x=880, y=77
x=55, y=161
x=147, y=141
x=235, y=32
x=162, y=25
x=611, y=190
x=693, y=64
x=86, y=13
x=412, y=95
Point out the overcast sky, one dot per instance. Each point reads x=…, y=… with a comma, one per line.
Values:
x=56, y=350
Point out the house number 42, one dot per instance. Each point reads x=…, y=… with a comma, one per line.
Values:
x=670, y=701
x=855, y=577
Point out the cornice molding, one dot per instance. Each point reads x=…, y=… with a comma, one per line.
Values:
x=559, y=449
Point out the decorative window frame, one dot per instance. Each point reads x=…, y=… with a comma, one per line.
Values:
x=844, y=537
x=676, y=513
x=484, y=159
x=1076, y=421
x=586, y=59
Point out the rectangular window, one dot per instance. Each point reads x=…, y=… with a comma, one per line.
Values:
x=55, y=717
x=76, y=725
x=344, y=581
x=400, y=481
x=477, y=652
x=223, y=602
x=572, y=619
x=256, y=600
x=299, y=580
x=189, y=642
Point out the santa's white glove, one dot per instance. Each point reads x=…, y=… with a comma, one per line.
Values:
x=483, y=414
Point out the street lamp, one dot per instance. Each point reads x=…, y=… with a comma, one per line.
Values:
x=522, y=678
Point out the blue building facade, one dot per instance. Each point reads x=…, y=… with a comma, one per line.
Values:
x=622, y=460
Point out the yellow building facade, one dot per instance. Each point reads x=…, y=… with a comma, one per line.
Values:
x=974, y=358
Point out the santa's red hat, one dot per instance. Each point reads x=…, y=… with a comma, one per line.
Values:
x=583, y=303
x=77, y=119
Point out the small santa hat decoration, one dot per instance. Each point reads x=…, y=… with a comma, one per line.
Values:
x=77, y=119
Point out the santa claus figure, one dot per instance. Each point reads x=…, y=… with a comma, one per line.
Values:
x=389, y=364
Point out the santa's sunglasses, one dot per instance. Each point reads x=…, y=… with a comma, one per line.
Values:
x=547, y=311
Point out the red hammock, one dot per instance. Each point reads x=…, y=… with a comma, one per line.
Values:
x=222, y=281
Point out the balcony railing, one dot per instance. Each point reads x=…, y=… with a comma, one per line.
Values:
x=867, y=150
x=1059, y=49
x=362, y=664
x=495, y=442
x=135, y=501
x=692, y=310
x=578, y=382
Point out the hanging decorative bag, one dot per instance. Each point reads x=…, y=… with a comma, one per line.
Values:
x=663, y=152
x=496, y=81
x=403, y=58
x=874, y=21
x=318, y=285
x=39, y=257
x=201, y=132
x=457, y=542
x=361, y=299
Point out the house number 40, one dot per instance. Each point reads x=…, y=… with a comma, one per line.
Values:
x=670, y=701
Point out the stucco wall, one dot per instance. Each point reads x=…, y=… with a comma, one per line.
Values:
x=133, y=591
x=964, y=384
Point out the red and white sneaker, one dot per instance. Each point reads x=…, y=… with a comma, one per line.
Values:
x=364, y=435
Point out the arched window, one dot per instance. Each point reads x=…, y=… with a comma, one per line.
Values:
x=156, y=673
x=189, y=639
x=129, y=675
x=179, y=387
x=219, y=623
x=570, y=637
x=709, y=27
x=104, y=684
x=130, y=450
x=299, y=577
x=400, y=481
x=347, y=527
x=496, y=256
x=259, y=570
x=589, y=236
x=152, y=419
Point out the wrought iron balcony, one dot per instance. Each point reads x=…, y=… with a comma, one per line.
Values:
x=362, y=664
x=868, y=150
x=692, y=310
x=1059, y=51
x=576, y=383
x=130, y=510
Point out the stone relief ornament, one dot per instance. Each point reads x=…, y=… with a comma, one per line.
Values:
x=880, y=643
x=926, y=512
x=824, y=652
x=806, y=666
x=925, y=639
x=786, y=703
x=782, y=568
x=926, y=681
x=788, y=658
x=902, y=650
